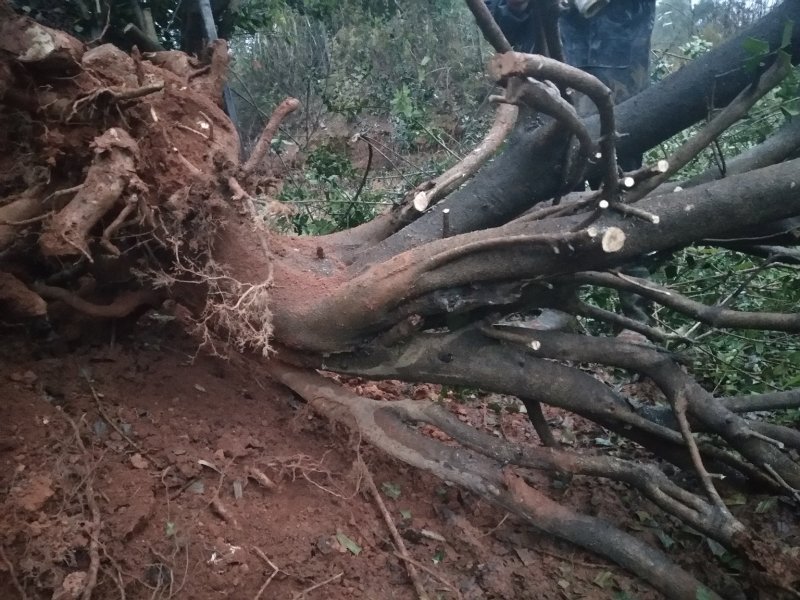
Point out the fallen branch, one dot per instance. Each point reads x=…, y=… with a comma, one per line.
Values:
x=515, y=64
x=715, y=316
x=376, y=422
x=398, y=539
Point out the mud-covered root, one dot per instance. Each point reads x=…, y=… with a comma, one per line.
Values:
x=18, y=301
x=113, y=172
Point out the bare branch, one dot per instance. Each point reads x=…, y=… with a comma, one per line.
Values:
x=379, y=424
x=715, y=316
x=516, y=64
x=488, y=26
x=732, y=113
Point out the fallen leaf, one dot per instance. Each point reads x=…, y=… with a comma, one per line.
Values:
x=348, y=543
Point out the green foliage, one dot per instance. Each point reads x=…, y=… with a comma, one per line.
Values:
x=742, y=361
x=324, y=195
x=416, y=62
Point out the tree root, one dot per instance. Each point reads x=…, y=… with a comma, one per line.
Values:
x=18, y=300
x=381, y=423
x=111, y=173
x=288, y=106
x=94, y=510
x=124, y=305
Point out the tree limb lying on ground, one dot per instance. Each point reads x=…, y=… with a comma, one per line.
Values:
x=160, y=208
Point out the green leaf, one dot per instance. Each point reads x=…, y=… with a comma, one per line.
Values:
x=755, y=47
x=604, y=579
x=665, y=540
x=406, y=514
x=439, y=556
x=346, y=542
x=427, y=59
x=392, y=490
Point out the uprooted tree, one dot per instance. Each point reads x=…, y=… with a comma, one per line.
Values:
x=122, y=190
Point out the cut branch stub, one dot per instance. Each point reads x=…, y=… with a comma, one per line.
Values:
x=112, y=170
x=613, y=240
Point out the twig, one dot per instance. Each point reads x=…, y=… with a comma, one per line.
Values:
x=302, y=594
x=496, y=527
x=536, y=416
x=627, y=209
x=12, y=574
x=192, y=130
x=715, y=316
x=103, y=32
x=275, y=571
x=445, y=223
x=782, y=482
x=410, y=562
x=679, y=404
x=600, y=314
x=398, y=540
x=94, y=543
x=101, y=409
x=366, y=170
